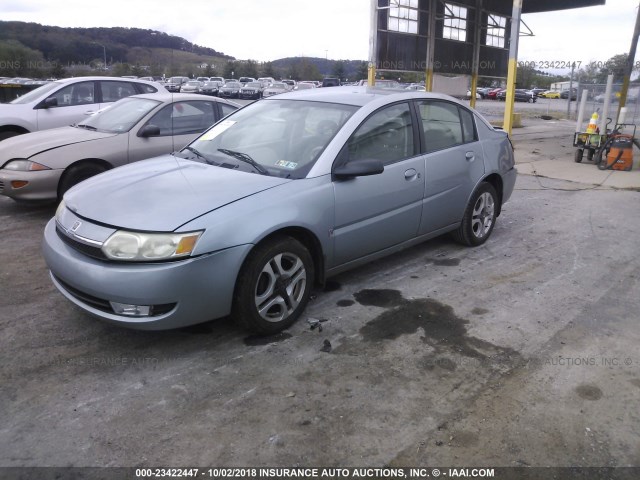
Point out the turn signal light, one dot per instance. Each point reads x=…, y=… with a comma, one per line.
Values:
x=19, y=183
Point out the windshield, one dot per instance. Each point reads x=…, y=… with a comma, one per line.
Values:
x=254, y=84
x=121, y=116
x=175, y=80
x=285, y=137
x=37, y=93
x=278, y=85
x=232, y=84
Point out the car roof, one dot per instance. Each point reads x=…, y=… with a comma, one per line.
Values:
x=115, y=79
x=168, y=97
x=358, y=95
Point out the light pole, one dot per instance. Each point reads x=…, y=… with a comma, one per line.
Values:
x=104, y=50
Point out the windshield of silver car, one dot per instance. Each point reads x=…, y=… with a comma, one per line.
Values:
x=121, y=116
x=283, y=137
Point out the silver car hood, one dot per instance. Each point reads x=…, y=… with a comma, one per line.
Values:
x=162, y=194
x=30, y=144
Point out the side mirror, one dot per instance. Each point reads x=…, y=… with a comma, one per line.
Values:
x=360, y=168
x=49, y=102
x=149, y=131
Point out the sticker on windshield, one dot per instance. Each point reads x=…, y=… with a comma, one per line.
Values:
x=217, y=130
x=285, y=164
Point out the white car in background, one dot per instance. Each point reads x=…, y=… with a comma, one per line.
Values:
x=67, y=101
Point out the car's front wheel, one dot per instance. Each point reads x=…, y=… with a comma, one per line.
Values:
x=78, y=173
x=274, y=286
x=479, y=217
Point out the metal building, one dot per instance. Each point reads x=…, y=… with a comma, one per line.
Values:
x=465, y=37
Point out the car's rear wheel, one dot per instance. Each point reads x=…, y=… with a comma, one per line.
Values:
x=274, y=286
x=78, y=173
x=479, y=217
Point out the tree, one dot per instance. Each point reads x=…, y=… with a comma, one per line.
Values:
x=338, y=69
x=616, y=66
x=230, y=70
x=268, y=70
x=250, y=69
x=363, y=71
x=308, y=70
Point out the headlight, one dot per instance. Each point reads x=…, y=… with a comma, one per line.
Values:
x=25, y=166
x=149, y=247
x=59, y=211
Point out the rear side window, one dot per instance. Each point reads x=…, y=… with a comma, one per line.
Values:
x=183, y=118
x=441, y=125
x=468, y=128
x=226, y=109
x=113, y=91
x=144, y=88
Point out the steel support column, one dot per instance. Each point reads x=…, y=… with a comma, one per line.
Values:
x=507, y=124
x=476, y=53
x=431, y=45
x=373, y=41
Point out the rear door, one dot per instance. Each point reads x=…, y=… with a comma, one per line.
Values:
x=453, y=162
x=376, y=212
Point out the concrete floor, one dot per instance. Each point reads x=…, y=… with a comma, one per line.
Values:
x=522, y=352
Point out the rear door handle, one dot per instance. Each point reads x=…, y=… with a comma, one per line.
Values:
x=470, y=156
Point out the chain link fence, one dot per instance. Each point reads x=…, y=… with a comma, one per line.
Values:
x=595, y=102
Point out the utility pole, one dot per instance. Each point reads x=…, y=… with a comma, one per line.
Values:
x=629, y=67
x=104, y=50
x=573, y=66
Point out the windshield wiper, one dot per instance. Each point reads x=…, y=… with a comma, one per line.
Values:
x=82, y=125
x=198, y=154
x=245, y=158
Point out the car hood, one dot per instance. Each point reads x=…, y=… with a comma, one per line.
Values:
x=163, y=193
x=30, y=144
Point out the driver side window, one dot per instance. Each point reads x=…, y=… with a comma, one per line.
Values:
x=387, y=135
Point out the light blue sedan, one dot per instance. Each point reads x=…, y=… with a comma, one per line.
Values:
x=274, y=199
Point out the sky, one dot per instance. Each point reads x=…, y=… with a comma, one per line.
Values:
x=266, y=30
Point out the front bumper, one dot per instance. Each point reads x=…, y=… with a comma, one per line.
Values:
x=43, y=184
x=193, y=290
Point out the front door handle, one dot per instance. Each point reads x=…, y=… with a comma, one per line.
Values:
x=411, y=173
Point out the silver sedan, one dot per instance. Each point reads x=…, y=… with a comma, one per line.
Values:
x=43, y=165
x=275, y=198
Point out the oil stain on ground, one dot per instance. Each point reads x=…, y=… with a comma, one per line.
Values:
x=442, y=328
x=589, y=392
x=345, y=303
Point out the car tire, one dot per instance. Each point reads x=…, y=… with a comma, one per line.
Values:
x=577, y=157
x=273, y=286
x=8, y=134
x=76, y=174
x=479, y=217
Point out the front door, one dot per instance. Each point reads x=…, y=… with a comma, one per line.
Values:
x=379, y=211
